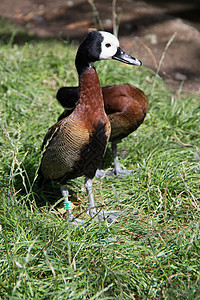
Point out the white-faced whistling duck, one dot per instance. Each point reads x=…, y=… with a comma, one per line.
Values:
x=76, y=144
x=126, y=107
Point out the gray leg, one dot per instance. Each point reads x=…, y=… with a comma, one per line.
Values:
x=117, y=169
x=88, y=186
x=100, y=173
x=68, y=206
x=109, y=215
x=67, y=203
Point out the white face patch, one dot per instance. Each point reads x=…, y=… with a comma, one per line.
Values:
x=109, y=45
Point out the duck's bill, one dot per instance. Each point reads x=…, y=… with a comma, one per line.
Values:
x=125, y=58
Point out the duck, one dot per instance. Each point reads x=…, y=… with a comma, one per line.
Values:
x=76, y=144
x=126, y=107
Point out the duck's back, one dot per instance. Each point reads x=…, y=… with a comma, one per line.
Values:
x=126, y=107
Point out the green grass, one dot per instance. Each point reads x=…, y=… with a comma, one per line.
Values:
x=152, y=255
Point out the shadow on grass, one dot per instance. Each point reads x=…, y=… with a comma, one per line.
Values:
x=23, y=185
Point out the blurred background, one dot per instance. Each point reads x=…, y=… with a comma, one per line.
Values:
x=144, y=29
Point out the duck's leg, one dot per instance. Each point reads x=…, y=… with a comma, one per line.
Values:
x=68, y=206
x=88, y=186
x=100, y=173
x=109, y=215
x=117, y=169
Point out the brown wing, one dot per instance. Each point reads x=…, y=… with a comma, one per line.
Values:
x=65, y=140
x=74, y=150
x=126, y=107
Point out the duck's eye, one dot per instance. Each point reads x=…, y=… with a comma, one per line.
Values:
x=108, y=45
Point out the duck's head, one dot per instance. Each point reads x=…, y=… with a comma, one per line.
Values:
x=99, y=45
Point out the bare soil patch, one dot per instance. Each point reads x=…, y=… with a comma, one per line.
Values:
x=145, y=29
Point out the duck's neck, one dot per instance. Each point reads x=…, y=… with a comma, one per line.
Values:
x=90, y=92
x=84, y=58
x=81, y=65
